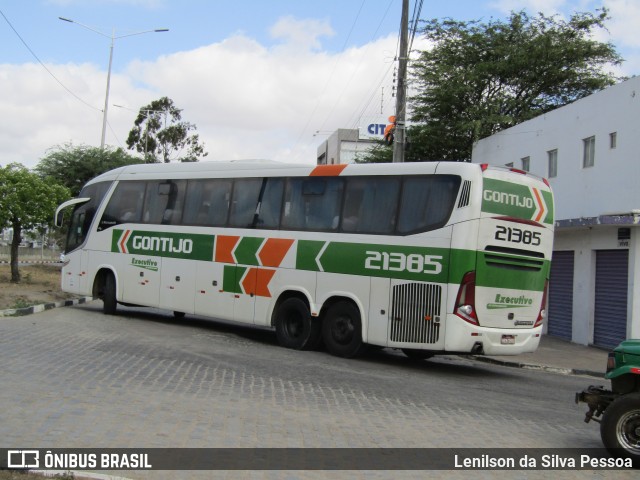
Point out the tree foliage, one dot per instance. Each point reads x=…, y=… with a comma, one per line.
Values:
x=479, y=78
x=26, y=202
x=160, y=134
x=73, y=166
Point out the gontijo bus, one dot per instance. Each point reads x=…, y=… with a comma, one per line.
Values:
x=425, y=257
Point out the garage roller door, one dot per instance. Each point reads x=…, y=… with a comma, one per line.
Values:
x=560, y=306
x=610, y=318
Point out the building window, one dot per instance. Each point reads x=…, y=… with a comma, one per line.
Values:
x=553, y=162
x=613, y=140
x=589, y=152
x=526, y=163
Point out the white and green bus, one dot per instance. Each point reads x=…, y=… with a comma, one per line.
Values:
x=427, y=257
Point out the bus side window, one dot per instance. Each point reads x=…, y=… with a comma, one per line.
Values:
x=163, y=202
x=125, y=204
x=270, y=204
x=207, y=202
x=427, y=202
x=244, y=203
x=312, y=203
x=370, y=205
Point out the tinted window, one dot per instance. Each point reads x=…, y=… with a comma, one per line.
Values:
x=244, y=203
x=83, y=214
x=207, y=202
x=163, y=202
x=370, y=205
x=312, y=203
x=125, y=204
x=270, y=204
x=427, y=202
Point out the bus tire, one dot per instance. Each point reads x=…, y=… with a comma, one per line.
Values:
x=109, y=302
x=295, y=328
x=413, y=354
x=342, y=330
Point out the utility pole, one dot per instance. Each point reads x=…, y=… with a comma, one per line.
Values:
x=401, y=90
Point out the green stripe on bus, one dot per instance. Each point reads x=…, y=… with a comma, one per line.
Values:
x=426, y=264
x=247, y=250
x=231, y=277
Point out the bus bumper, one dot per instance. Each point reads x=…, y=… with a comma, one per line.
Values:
x=461, y=336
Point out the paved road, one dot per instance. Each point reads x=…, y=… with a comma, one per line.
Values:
x=72, y=377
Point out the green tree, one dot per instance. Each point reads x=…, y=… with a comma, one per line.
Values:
x=160, y=134
x=480, y=78
x=73, y=166
x=26, y=202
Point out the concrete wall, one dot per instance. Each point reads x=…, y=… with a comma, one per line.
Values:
x=611, y=184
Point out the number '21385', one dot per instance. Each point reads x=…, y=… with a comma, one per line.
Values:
x=399, y=262
x=517, y=235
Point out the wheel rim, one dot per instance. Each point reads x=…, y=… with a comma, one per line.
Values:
x=343, y=329
x=628, y=431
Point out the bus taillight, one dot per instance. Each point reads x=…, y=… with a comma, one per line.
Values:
x=543, y=306
x=466, y=299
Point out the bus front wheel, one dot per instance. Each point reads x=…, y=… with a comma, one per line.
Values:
x=109, y=302
x=295, y=328
x=342, y=330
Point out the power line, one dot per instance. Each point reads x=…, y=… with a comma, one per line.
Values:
x=354, y=72
x=414, y=21
x=44, y=66
x=329, y=78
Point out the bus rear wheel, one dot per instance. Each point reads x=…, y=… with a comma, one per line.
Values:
x=342, y=330
x=295, y=328
x=109, y=302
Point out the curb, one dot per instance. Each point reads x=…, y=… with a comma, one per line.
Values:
x=544, y=368
x=19, y=312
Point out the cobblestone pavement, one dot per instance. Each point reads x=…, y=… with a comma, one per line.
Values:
x=72, y=377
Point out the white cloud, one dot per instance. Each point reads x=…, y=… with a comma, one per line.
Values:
x=247, y=100
x=548, y=7
x=301, y=34
x=625, y=19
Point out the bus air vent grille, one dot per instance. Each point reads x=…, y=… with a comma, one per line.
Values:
x=465, y=194
x=513, y=259
x=415, y=313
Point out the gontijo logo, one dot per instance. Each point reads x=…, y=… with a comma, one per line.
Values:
x=163, y=244
x=520, y=201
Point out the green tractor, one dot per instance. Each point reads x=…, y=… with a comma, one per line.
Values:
x=618, y=410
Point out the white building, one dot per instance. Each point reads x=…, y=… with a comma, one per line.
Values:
x=590, y=152
x=343, y=145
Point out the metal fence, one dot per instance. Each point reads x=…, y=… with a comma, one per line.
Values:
x=29, y=254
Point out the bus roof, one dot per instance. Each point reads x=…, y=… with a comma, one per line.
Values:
x=259, y=168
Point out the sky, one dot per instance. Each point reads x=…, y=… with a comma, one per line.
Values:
x=259, y=78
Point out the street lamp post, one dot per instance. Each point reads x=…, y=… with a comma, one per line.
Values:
x=113, y=39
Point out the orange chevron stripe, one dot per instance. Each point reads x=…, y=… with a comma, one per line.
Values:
x=256, y=282
x=224, y=248
x=263, y=278
x=273, y=251
x=123, y=241
x=249, y=281
x=540, y=204
x=328, y=170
